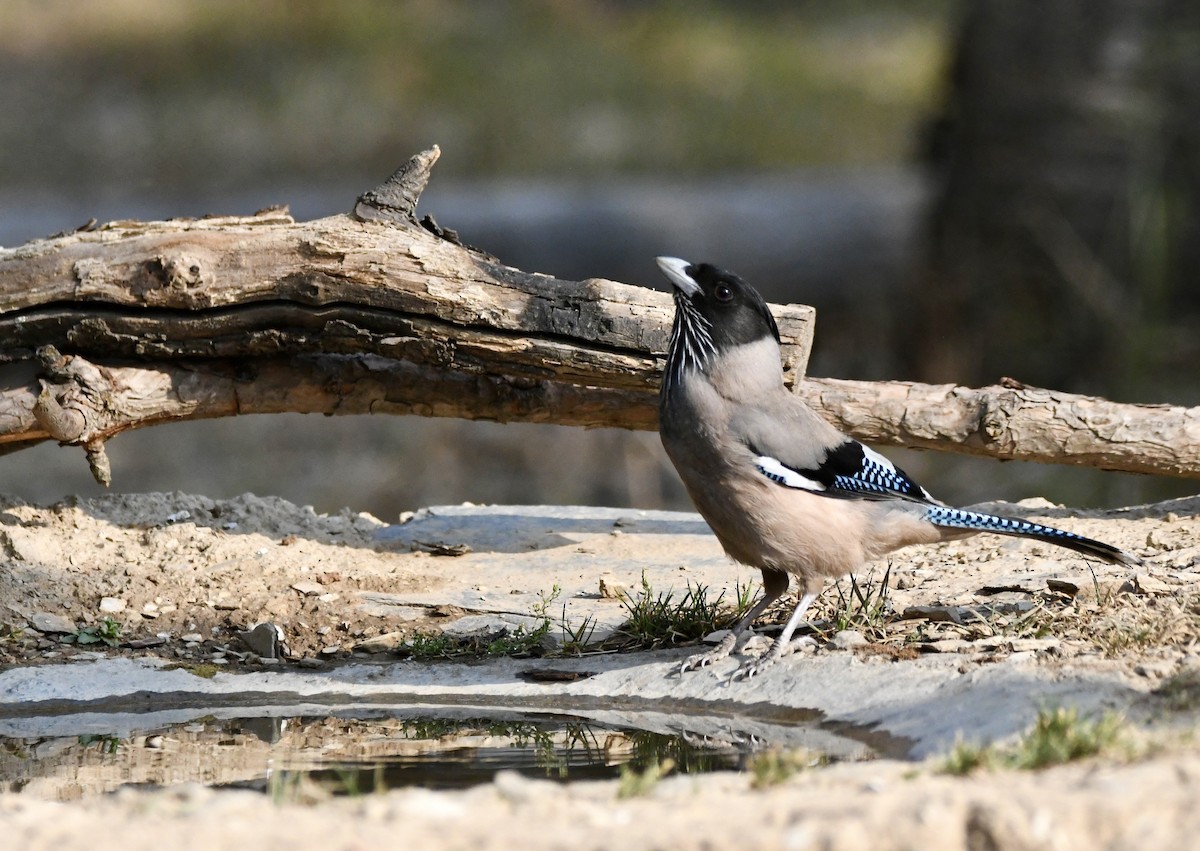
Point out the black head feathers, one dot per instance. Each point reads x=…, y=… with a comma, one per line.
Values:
x=733, y=310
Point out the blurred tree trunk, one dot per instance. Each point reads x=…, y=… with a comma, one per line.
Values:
x=1066, y=230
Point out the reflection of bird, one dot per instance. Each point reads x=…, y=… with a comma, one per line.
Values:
x=783, y=490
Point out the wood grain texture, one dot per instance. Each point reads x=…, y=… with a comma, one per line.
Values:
x=1014, y=423
x=144, y=322
x=130, y=324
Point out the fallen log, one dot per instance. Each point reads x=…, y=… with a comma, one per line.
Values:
x=129, y=324
x=1014, y=422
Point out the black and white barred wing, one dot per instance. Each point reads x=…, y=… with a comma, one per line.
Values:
x=848, y=470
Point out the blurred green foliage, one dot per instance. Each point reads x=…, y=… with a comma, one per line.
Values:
x=197, y=91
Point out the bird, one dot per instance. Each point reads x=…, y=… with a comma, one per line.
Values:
x=782, y=489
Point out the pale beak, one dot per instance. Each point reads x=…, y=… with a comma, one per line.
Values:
x=676, y=271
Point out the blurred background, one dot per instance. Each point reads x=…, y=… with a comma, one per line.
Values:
x=964, y=189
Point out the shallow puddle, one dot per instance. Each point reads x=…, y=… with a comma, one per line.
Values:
x=365, y=751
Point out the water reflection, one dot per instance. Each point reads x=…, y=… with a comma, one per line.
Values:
x=338, y=754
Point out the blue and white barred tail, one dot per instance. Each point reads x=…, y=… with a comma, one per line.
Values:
x=974, y=521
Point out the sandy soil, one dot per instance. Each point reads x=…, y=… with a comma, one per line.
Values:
x=182, y=575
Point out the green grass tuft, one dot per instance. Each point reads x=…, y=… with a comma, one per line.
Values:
x=635, y=784
x=665, y=620
x=776, y=765
x=1058, y=736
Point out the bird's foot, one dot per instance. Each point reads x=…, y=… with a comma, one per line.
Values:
x=718, y=653
x=777, y=650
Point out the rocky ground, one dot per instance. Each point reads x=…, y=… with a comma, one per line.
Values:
x=964, y=639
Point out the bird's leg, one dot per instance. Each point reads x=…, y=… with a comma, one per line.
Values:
x=775, y=582
x=781, y=645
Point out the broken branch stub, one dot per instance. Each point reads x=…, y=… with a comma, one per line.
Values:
x=395, y=200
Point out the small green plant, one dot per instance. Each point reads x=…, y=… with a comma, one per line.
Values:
x=522, y=641
x=776, y=765
x=1181, y=692
x=203, y=670
x=576, y=639
x=284, y=787
x=866, y=607
x=658, y=620
x=1057, y=736
x=105, y=744
x=634, y=783
x=108, y=632
x=431, y=645
x=966, y=757
x=1060, y=735
x=526, y=641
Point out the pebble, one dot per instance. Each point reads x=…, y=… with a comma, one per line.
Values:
x=1155, y=669
x=263, y=640
x=381, y=643
x=756, y=643
x=849, y=638
x=516, y=788
x=1147, y=584
x=967, y=614
x=192, y=638
x=308, y=588
x=49, y=622
x=947, y=645
x=112, y=605
x=611, y=590
x=1069, y=587
x=1020, y=645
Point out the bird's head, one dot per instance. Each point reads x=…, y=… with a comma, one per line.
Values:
x=717, y=314
x=714, y=308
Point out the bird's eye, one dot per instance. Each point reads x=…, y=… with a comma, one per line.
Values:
x=723, y=293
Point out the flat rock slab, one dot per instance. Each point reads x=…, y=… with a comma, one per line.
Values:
x=189, y=567
x=902, y=709
x=513, y=556
x=228, y=565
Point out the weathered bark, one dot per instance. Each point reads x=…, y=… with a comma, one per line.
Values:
x=84, y=403
x=136, y=323
x=357, y=313
x=1014, y=423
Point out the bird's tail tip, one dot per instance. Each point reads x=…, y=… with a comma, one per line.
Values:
x=962, y=519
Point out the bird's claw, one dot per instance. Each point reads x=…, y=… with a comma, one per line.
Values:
x=698, y=661
x=752, y=667
x=718, y=653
